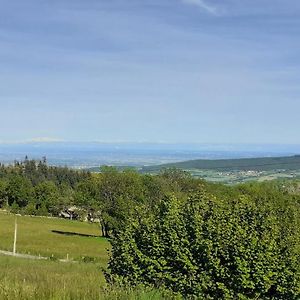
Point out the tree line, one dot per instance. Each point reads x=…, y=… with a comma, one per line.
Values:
x=110, y=196
x=33, y=187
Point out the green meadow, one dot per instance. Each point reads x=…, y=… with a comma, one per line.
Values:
x=53, y=237
x=80, y=278
x=23, y=279
x=41, y=279
x=50, y=279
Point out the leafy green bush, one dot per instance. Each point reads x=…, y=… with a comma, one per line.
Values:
x=15, y=208
x=211, y=249
x=30, y=209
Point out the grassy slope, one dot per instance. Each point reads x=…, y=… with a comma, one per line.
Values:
x=256, y=164
x=35, y=236
x=39, y=279
x=22, y=279
x=29, y=279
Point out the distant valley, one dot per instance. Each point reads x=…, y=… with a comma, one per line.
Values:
x=219, y=163
x=237, y=170
x=93, y=154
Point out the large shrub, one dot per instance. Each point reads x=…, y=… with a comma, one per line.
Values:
x=209, y=249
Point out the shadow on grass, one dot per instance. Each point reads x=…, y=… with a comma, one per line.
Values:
x=75, y=233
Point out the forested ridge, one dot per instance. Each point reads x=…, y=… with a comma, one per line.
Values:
x=170, y=231
x=237, y=164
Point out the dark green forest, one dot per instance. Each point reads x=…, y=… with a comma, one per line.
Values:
x=238, y=164
x=171, y=231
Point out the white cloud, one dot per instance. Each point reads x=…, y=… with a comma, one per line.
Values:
x=203, y=5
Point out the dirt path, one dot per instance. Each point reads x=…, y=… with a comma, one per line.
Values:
x=19, y=255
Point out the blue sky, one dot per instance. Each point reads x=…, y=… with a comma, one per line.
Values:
x=203, y=71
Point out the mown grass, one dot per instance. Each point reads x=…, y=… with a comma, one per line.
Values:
x=36, y=237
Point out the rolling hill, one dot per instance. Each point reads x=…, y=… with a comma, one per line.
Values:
x=228, y=165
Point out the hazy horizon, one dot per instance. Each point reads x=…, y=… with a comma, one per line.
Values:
x=93, y=154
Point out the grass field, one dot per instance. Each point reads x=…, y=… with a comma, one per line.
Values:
x=26, y=279
x=236, y=177
x=38, y=279
x=52, y=236
x=22, y=279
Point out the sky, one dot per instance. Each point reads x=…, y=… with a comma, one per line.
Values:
x=166, y=71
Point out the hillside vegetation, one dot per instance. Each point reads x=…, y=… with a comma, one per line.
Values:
x=235, y=171
x=241, y=164
x=170, y=234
